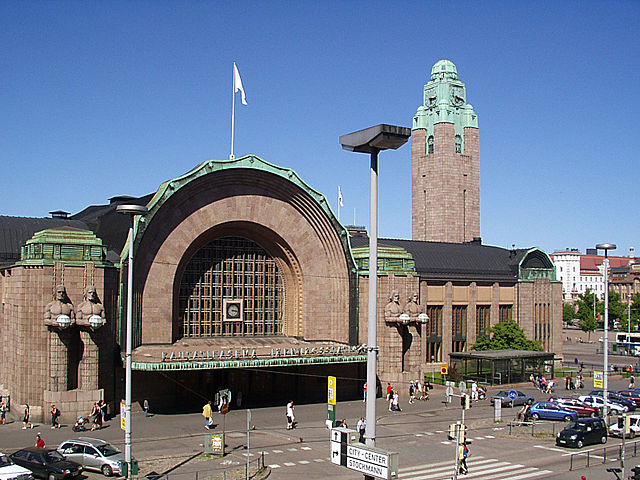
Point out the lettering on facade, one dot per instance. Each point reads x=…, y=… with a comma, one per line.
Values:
x=252, y=353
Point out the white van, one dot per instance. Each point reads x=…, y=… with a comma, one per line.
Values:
x=11, y=471
x=615, y=430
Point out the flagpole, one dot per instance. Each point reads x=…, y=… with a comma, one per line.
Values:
x=233, y=109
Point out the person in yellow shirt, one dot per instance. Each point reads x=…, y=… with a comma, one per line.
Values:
x=207, y=413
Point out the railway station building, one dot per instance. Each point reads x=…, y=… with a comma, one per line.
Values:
x=245, y=279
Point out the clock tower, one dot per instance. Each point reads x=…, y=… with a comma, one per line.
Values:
x=445, y=161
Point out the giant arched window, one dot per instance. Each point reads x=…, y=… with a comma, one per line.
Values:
x=458, y=144
x=237, y=270
x=430, y=144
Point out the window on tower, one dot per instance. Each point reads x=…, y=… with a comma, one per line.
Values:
x=458, y=144
x=430, y=144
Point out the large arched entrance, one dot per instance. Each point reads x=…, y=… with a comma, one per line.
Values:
x=227, y=273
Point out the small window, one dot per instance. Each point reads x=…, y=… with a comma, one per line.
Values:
x=458, y=144
x=430, y=144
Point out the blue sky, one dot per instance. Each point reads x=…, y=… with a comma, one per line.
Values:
x=105, y=98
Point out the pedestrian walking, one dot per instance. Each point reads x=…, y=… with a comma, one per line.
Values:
x=411, y=391
x=632, y=382
x=396, y=402
x=145, y=405
x=463, y=453
x=3, y=413
x=291, y=418
x=474, y=391
x=39, y=441
x=55, y=415
x=362, y=427
x=95, y=416
x=25, y=417
x=207, y=414
x=390, y=400
x=389, y=391
x=364, y=392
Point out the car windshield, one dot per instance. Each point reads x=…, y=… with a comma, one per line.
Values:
x=108, y=450
x=4, y=460
x=53, y=457
x=575, y=426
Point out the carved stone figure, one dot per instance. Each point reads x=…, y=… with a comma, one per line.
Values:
x=61, y=305
x=393, y=309
x=89, y=307
x=412, y=307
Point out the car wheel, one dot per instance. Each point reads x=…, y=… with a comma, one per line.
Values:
x=568, y=418
x=52, y=476
x=603, y=440
x=580, y=444
x=535, y=416
x=107, y=471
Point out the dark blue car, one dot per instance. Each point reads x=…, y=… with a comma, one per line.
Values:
x=550, y=411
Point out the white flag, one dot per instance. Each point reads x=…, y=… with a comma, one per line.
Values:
x=340, y=197
x=237, y=83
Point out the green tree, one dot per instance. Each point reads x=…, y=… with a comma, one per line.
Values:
x=584, y=304
x=507, y=335
x=617, y=308
x=589, y=325
x=635, y=314
x=568, y=313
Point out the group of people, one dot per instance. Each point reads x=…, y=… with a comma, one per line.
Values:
x=570, y=384
x=393, y=398
x=541, y=383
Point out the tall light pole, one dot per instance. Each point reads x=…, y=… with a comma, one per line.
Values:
x=132, y=211
x=371, y=140
x=606, y=247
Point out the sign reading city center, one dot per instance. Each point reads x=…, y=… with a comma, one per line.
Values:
x=370, y=461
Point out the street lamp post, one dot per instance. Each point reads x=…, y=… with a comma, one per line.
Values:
x=132, y=211
x=606, y=247
x=371, y=140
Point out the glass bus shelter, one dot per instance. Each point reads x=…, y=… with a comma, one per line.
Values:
x=495, y=367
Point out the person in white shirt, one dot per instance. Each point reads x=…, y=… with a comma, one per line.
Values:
x=290, y=416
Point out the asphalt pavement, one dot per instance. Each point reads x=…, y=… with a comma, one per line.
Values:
x=173, y=444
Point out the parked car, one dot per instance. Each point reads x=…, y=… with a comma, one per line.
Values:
x=581, y=408
x=93, y=454
x=520, y=398
x=615, y=430
x=632, y=395
x=550, y=411
x=11, y=471
x=46, y=463
x=617, y=398
x=583, y=431
x=598, y=402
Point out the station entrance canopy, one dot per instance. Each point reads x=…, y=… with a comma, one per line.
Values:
x=224, y=353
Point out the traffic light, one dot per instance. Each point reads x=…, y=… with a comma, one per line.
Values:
x=465, y=401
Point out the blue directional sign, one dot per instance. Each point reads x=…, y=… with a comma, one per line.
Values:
x=513, y=394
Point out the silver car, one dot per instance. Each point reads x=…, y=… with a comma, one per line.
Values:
x=93, y=454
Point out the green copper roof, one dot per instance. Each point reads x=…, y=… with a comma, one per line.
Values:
x=63, y=244
x=390, y=260
x=446, y=68
x=445, y=101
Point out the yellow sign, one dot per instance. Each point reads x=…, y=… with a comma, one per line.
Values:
x=331, y=391
x=444, y=369
x=123, y=416
x=598, y=379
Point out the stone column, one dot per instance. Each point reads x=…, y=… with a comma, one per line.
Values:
x=89, y=362
x=58, y=361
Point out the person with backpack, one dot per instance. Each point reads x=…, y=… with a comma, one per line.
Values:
x=463, y=453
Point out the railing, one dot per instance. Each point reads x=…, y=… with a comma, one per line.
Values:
x=240, y=471
x=603, y=455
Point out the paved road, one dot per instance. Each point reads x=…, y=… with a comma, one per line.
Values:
x=172, y=443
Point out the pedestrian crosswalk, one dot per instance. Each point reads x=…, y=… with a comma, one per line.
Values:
x=480, y=468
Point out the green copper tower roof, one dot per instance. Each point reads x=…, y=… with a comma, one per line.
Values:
x=445, y=101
